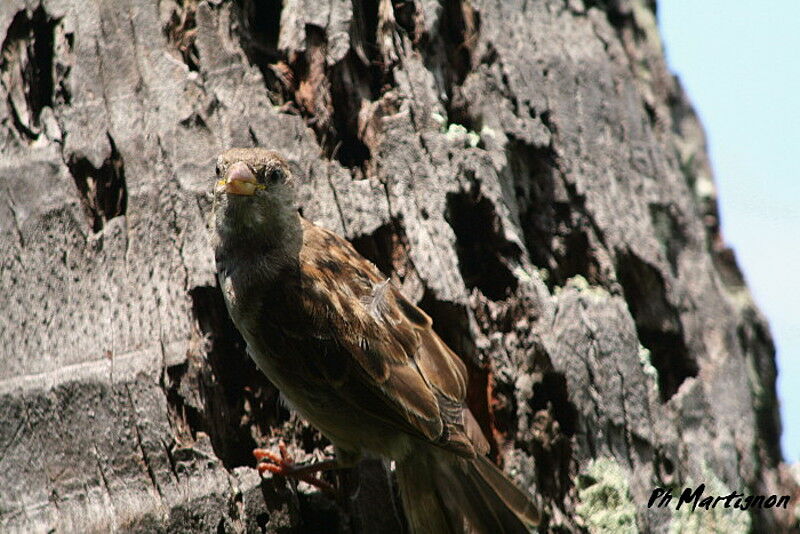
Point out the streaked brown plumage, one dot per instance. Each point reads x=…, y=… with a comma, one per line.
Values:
x=351, y=354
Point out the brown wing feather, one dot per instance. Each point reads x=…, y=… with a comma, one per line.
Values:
x=391, y=341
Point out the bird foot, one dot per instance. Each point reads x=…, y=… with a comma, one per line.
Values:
x=283, y=464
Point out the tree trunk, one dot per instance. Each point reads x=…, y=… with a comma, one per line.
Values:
x=528, y=171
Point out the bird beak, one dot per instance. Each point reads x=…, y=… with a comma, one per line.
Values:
x=239, y=180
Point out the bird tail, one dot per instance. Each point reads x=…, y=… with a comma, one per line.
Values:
x=443, y=494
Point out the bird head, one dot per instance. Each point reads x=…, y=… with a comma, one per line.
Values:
x=254, y=194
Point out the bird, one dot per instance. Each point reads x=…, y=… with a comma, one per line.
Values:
x=352, y=355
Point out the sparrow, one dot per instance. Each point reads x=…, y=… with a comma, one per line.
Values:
x=352, y=355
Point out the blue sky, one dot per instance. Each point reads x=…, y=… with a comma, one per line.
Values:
x=740, y=63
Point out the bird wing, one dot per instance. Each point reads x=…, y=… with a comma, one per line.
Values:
x=393, y=348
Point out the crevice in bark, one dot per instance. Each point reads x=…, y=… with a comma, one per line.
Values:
x=351, y=86
x=551, y=393
x=103, y=191
x=65, y=42
x=405, y=14
x=553, y=425
x=545, y=423
x=177, y=381
x=669, y=232
x=196, y=120
x=258, y=30
x=505, y=409
x=510, y=409
x=226, y=396
x=310, y=91
x=664, y=468
x=651, y=113
x=364, y=30
x=151, y=474
x=319, y=514
x=461, y=27
x=449, y=56
x=262, y=520
x=260, y=24
x=29, y=48
x=483, y=251
x=181, y=31
x=331, y=98
x=657, y=323
x=503, y=316
x=386, y=247
x=328, y=97
x=554, y=223
x=460, y=31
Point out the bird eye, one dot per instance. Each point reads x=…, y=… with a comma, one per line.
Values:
x=274, y=175
x=217, y=169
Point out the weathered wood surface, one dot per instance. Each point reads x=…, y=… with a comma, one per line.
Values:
x=528, y=171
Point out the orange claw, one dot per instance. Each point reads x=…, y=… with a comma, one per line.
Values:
x=260, y=454
x=272, y=468
x=283, y=465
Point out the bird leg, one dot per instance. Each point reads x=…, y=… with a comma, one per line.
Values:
x=284, y=465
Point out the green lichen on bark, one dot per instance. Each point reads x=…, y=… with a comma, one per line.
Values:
x=606, y=505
